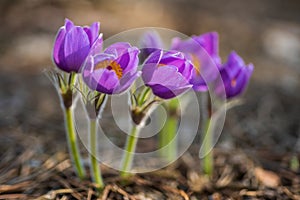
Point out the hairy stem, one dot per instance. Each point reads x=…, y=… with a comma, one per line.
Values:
x=166, y=136
x=95, y=168
x=130, y=147
x=208, y=165
x=72, y=143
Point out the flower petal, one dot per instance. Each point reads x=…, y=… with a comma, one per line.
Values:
x=104, y=81
x=166, y=81
x=233, y=64
x=210, y=42
x=235, y=76
x=126, y=81
x=168, y=75
x=168, y=93
x=76, y=48
x=97, y=45
x=129, y=60
x=117, y=48
x=68, y=24
x=58, y=49
x=92, y=32
x=203, y=52
x=154, y=58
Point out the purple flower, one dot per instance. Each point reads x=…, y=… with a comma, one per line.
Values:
x=149, y=43
x=72, y=45
x=114, y=70
x=235, y=75
x=203, y=52
x=167, y=73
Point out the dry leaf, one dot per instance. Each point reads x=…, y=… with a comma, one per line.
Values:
x=267, y=178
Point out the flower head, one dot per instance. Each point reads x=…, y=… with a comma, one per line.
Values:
x=203, y=52
x=235, y=76
x=149, y=43
x=167, y=73
x=72, y=45
x=114, y=70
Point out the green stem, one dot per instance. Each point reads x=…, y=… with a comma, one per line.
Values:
x=129, y=150
x=72, y=143
x=95, y=169
x=208, y=165
x=166, y=135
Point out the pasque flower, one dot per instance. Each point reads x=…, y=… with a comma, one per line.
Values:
x=235, y=76
x=72, y=45
x=203, y=52
x=112, y=71
x=167, y=73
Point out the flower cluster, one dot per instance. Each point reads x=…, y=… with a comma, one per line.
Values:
x=203, y=52
x=191, y=63
x=188, y=64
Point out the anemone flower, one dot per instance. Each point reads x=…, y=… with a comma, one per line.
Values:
x=114, y=70
x=73, y=44
x=167, y=73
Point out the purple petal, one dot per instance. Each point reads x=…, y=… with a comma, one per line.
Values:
x=102, y=57
x=200, y=87
x=92, y=61
x=168, y=75
x=147, y=72
x=123, y=60
x=203, y=52
x=151, y=39
x=117, y=48
x=129, y=61
x=58, y=50
x=197, y=79
x=189, y=46
x=178, y=60
x=238, y=86
x=87, y=71
x=210, y=42
x=222, y=86
x=154, y=58
x=76, y=48
x=97, y=46
x=166, y=92
x=105, y=80
x=186, y=69
x=126, y=81
x=170, y=57
x=68, y=24
x=233, y=64
x=209, y=71
x=92, y=32
x=235, y=86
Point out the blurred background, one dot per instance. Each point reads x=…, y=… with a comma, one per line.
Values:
x=266, y=33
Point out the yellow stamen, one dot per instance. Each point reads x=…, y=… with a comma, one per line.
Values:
x=197, y=64
x=161, y=65
x=110, y=65
x=233, y=82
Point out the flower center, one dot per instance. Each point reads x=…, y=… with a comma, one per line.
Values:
x=233, y=82
x=111, y=65
x=196, y=63
x=161, y=65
